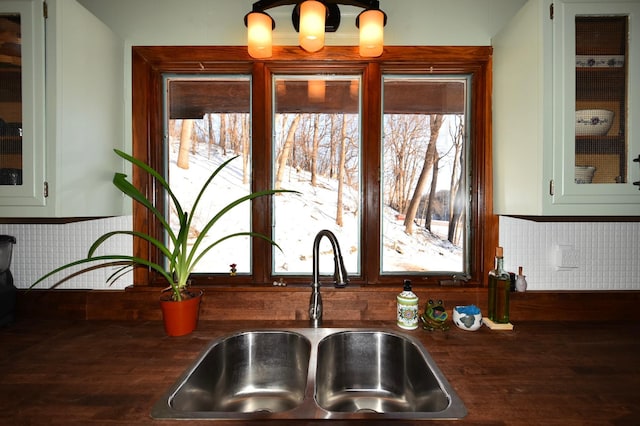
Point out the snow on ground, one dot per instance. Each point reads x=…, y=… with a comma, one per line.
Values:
x=299, y=217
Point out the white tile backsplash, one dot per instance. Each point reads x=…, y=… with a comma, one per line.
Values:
x=41, y=248
x=606, y=255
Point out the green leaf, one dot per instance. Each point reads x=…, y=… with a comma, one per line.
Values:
x=157, y=176
x=181, y=258
x=112, y=259
x=228, y=207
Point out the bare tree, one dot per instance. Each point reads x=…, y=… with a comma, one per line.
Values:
x=212, y=137
x=430, y=157
x=333, y=135
x=301, y=155
x=352, y=163
x=341, y=170
x=456, y=205
x=246, y=168
x=185, y=143
x=402, y=144
x=235, y=133
x=223, y=133
x=173, y=128
x=314, y=150
x=283, y=155
x=432, y=193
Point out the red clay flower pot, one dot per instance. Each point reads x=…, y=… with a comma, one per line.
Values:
x=181, y=318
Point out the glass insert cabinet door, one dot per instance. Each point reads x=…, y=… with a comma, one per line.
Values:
x=10, y=100
x=601, y=101
x=600, y=98
x=21, y=103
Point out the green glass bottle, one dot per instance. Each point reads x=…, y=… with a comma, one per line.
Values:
x=499, y=288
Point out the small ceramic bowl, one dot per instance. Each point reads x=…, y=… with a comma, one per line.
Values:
x=467, y=317
x=584, y=174
x=593, y=122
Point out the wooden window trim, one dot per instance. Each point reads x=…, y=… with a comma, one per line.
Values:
x=149, y=63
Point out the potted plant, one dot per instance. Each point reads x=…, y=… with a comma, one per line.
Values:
x=180, y=254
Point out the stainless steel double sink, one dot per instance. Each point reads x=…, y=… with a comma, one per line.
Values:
x=314, y=373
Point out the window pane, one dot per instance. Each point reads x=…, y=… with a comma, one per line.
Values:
x=207, y=123
x=424, y=156
x=316, y=143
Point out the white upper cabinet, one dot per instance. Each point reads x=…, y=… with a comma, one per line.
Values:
x=75, y=118
x=566, y=98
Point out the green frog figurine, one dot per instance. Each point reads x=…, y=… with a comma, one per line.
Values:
x=434, y=316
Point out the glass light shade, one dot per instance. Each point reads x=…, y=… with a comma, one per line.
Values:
x=316, y=90
x=371, y=33
x=312, y=16
x=259, y=26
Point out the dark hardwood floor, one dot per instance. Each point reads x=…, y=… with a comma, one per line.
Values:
x=102, y=373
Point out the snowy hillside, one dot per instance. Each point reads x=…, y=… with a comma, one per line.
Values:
x=298, y=218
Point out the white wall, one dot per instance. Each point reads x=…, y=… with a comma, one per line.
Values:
x=41, y=248
x=220, y=22
x=596, y=255
x=607, y=254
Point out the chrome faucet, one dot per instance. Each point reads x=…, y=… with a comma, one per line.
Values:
x=339, y=275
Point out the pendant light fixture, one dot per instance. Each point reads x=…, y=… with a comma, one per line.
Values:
x=371, y=23
x=259, y=28
x=312, y=18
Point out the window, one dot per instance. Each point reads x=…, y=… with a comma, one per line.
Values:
x=332, y=129
x=317, y=150
x=425, y=207
x=199, y=134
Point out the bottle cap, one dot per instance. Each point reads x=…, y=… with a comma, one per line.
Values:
x=407, y=285
x=498, y=251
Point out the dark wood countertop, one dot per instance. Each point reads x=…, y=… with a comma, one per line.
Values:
x=111, y=372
